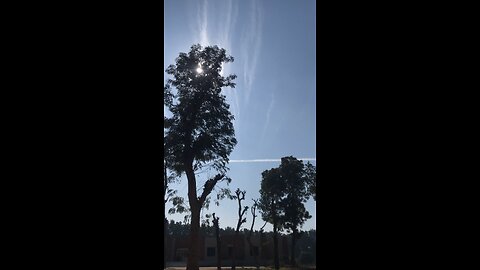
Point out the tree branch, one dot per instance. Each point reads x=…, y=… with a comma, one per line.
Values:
x=208, y=187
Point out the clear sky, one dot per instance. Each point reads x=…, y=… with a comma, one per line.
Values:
x=274, y=102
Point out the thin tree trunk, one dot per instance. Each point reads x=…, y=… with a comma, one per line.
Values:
x=275, y=247
x=192, y=263
x=193, y=254
x=294, y=236
x=249, y=238
x=165, y=181
x=262, y=244
x=235, y=246
x=217, y=235
x=195, y=208
x=165, y=234
x=275, y=239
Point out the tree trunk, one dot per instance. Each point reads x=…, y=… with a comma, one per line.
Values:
x=261, y=248
x=165, y=222
x=217, y=235
x=194, y=252
x=275, y=246
x=219, y=261
x=195, y=207
x=165, y=234
x=292, y=260
x=235, y=246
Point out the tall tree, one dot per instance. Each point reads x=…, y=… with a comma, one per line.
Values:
x=239, y=196
x=262, y=239
x=271, y=192
x=250, y=233
x=284, y=191
x=293, y=173
x=200, y=130
x=217, y=236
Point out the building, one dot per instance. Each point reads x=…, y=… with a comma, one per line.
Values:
x=176, y=250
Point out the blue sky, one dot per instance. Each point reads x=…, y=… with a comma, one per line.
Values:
x=274, y=102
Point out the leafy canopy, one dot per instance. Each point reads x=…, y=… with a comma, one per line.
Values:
x=284, y=191
x=200, y=130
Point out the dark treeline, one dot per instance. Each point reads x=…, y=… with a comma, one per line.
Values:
x=305, y=245
x=182, y=229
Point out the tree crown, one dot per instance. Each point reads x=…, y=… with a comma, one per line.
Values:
x=200, y=129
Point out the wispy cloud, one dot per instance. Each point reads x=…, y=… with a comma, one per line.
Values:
x=269, y=112
x=252, y=40
x=266, y=160
x=223, y=20
x=227, y=26
x=202, y=22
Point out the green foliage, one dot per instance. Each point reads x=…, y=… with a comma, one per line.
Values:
x=178, y=229
x=201, y=128
x=271, y=193
x=222, y=194
x=297, y=194
x=179, y=206
x=311, y=178
x=284, y=191
x=200, y=131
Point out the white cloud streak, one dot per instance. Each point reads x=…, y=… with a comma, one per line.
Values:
x=227, y=26
x=266, y=160
x=252, y=41
x=269, y=112
x=203, y=23
x=224, y=16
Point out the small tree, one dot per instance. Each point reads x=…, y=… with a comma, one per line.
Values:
x=249, y=237
x=200, y=131
x=271, y=192
x=239, y=196
x=284, y=190
x=216, y=225
x=293, y=173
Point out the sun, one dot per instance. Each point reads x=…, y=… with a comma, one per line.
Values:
x=199, y=70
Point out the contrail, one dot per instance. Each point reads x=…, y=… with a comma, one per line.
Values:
x=266, y=160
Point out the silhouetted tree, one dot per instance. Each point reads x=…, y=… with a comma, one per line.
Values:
x=271, y=192
x=311, y=176
x=228, y=230
x=239, y=196
x=292, y=172
x=284, y=191
x=217, y=236
x=200, y=130
x=178, y=229
x=249, y=237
